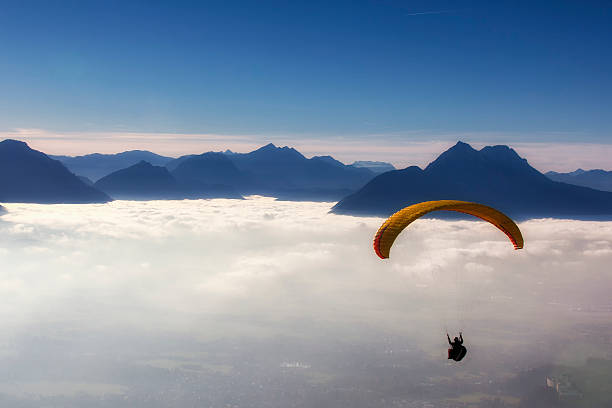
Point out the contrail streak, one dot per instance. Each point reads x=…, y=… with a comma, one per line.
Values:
x=429, y=12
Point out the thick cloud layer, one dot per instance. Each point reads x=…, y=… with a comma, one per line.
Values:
x=141, y=280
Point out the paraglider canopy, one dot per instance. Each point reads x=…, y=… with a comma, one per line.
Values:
x=394, y=225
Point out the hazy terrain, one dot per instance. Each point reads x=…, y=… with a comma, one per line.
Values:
x=263, y=303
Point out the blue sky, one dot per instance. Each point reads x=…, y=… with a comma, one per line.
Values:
x=313, y=69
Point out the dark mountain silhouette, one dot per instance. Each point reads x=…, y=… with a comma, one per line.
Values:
x=376, y=167
x=597, y=179
x=495, y=176
x=143, y=181
x=270, y=170
x=285, y=173
x=30, y=176
x=95, y=166
x=209, y=169
x=2, y=210
x=281, y=172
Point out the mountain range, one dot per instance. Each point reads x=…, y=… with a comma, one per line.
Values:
x=494, y=175
x=285, y=173
x=270, y=170
x=597, y=179
x=95, y=166
x=30, y=176
x=144, y=181
x=282, y=172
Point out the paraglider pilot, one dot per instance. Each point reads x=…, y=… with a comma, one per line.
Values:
x=457, y=350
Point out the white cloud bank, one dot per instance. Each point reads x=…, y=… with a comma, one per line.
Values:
x=233, y=269
x=250, y=256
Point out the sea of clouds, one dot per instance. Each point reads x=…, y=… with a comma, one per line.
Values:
x=82, y=285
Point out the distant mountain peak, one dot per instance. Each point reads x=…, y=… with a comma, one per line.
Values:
x=28, y=175
x=463, y=156
x=460, y=147
x=14, y=142
x=457, y=155
x=463, y=145
x=494, y=175
x=270, y=150
x=268, y=147
x=16, y=145
x=139, y=180
x=273, y=147
x=501, y=152
x=597, y=178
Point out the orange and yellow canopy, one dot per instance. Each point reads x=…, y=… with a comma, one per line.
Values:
x=395, y=224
